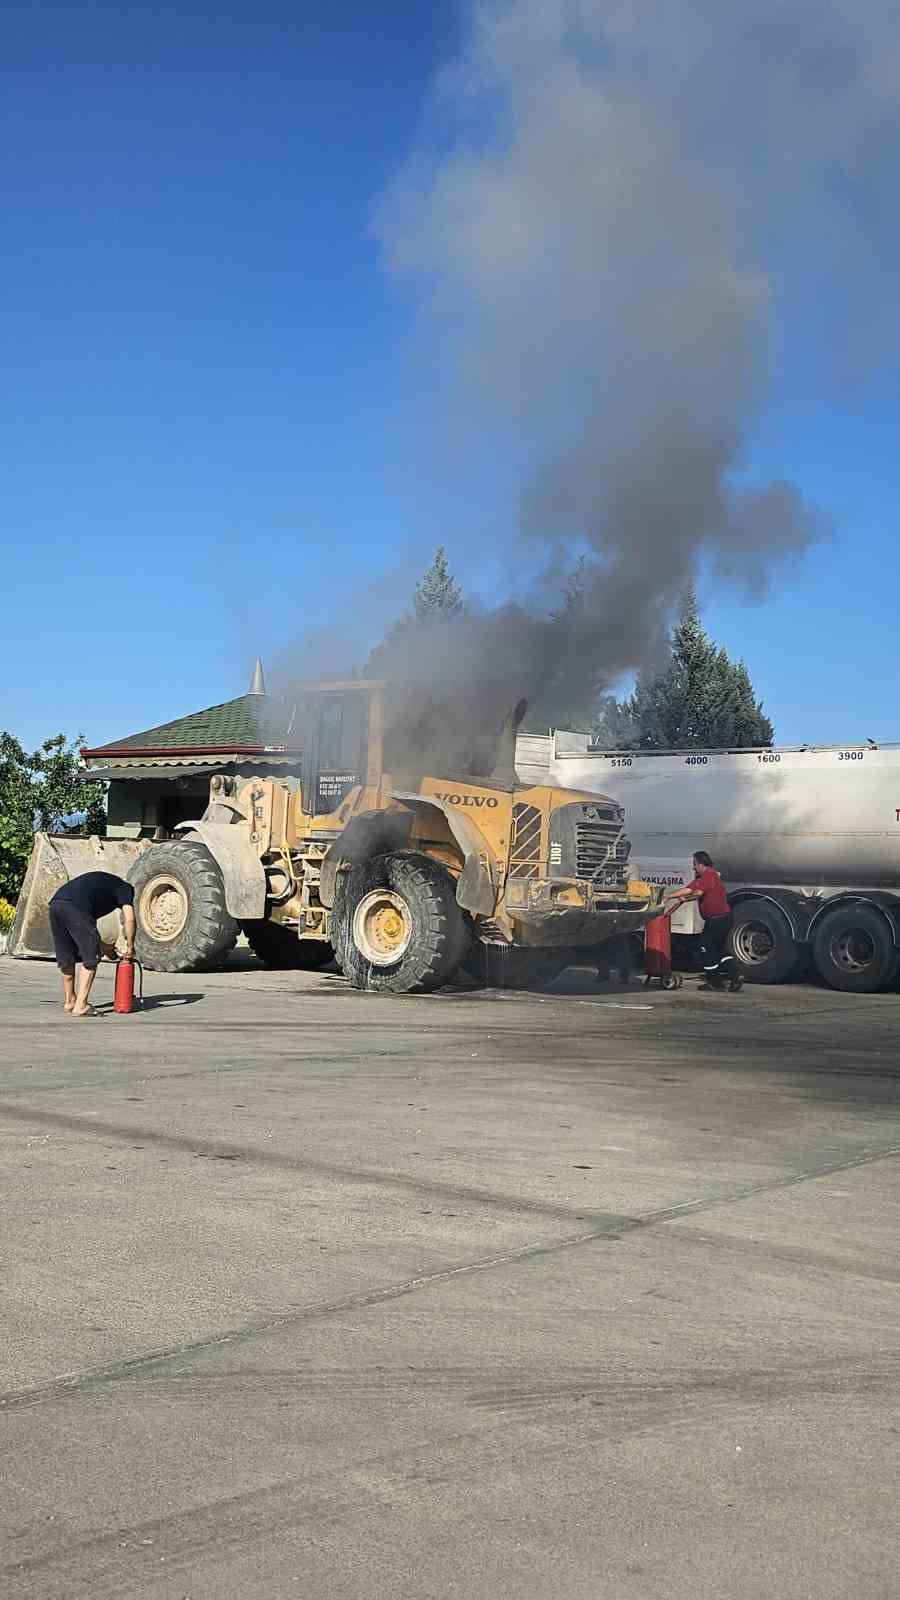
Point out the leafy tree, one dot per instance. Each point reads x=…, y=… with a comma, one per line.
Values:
x=41, y=791
x=701, y=698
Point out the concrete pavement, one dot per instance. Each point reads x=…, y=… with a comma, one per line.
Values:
x=593, y=1293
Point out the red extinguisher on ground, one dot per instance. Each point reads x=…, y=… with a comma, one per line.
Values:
x=658, y=954
x=124, y=997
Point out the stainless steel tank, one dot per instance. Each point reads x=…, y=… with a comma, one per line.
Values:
x=818, y=819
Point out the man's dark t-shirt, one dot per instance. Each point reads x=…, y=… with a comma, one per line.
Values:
x=95, y=894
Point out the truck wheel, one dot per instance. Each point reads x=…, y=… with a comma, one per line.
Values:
x=762, y=942
x=179, y=902
x=399, y=928
x=502, y=966
x=853, y=949
x=280, y=948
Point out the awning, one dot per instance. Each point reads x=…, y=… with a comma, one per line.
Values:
x=136, y=768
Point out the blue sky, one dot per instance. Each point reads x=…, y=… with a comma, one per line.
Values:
x=211, y=409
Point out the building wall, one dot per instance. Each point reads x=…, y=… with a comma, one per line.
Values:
x=149, y=808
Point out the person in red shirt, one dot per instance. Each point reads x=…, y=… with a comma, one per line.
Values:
x=708, y=888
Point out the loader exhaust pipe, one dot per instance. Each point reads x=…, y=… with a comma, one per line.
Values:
x=505, y=769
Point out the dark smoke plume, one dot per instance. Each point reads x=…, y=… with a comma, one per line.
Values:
x=613, y=200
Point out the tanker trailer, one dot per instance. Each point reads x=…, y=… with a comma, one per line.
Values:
x=806, y=838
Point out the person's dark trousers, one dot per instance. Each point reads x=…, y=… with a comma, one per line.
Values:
x=75, y=936
x=718, y=962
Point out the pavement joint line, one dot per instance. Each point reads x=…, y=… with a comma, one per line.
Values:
x=192, y=1525
x=333, y=1172
x=617, y=1228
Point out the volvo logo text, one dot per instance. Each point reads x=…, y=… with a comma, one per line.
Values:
x=487, y=800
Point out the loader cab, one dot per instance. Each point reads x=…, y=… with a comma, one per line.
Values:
x=340, y=727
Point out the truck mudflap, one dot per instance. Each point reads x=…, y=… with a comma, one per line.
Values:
x=55, y=859
x=571, y=911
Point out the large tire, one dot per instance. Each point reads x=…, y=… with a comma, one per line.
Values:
x=503, y=966
x=762, y=943
x=280, y=948
x=398, y=928
x=183, y=924
x=853, y=949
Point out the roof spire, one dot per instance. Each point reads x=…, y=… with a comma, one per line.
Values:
x=258, y=684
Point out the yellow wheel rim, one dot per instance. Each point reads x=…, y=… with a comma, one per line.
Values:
x=382, y=927
x=163, y=908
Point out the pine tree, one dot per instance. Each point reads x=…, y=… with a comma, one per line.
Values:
x=437, y=599
x=614, y=727
x=573, y=594
x=437, y=596
x=568, y=703
x=702, y=699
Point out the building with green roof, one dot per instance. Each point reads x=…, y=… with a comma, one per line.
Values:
x=160, y=777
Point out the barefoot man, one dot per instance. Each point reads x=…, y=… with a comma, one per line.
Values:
x=74, y=912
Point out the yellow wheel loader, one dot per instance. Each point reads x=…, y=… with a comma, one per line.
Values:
x=404, y=880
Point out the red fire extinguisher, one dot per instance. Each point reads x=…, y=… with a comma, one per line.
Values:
x=658, y=954
x=124, y=997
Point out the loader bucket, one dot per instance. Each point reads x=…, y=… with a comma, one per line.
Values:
x=54, y=860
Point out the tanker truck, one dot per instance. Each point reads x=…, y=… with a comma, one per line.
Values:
x=807, y=839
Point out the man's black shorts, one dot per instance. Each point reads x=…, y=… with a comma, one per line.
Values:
x=75, y=936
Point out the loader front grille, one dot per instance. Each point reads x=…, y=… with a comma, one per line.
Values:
x=586, y=841
x=599, y=850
